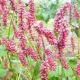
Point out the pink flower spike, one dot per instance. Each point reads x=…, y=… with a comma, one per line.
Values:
x=44, y=70
x=13, y=5
x=78, y=68
x=58, y=56
x=31, y=52
x=76, y=13
x=5, y=16
x=51, y=63
x=22, y=59
x=48, y=52
x=50, y=37
x=31, y=14
x=64, y=63
x=10, y=45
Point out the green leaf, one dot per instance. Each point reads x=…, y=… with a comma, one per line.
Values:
x=77, y=31
x=72, y=62
x=54, y=78
x=68, y=72
x=52, y=74
x=3, y=51
x=36, y=70
x=72, y=30
x=55, y=73
x=45, y=17
x=3, y=72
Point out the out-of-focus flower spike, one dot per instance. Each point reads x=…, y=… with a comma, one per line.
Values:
x=10, y=45
x=48, y=52
x=4, y=11
x=31, y=52
x=52, y=64
x=5, y=16
x=13, y=5
x=39, y=28
x=22, y=58
x=64, y=63
x=31, y=14
x=72, y=44
x=22, y=15
x=59, y=21
x=50, y=37
x=44, y=70
x=76, y=13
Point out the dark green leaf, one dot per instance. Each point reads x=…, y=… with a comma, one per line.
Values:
x=72, y=62
x=77, y=31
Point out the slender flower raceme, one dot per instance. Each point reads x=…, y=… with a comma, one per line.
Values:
x=22, y=15
x=50, y=60
x=72, y=44
x=76, y=13
x=13, y=5
x=52, y=64
x=4, y=11
x=59, y=21
x=5, y=16
x=22, y=43
x=64, y=63
x=31, y=52
x=39, y=28
x=58, y=56
x=1, y=9
x=44, y=70
x=3, y=3
x=19, y=34
x=62, y=41
x=10, y=45
x=61, y=28
x=48, y=64
x=78, y=68
x=48, y=52
x=31, y=15
x=22, y=58
x=49, y=35
x=61, y=25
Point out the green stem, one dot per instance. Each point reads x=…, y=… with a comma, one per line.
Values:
x=78, y=45
x=8, y=52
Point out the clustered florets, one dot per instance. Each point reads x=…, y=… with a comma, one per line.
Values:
x=27, y=21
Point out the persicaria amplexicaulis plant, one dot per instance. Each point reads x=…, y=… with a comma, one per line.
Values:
x=37, y=49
